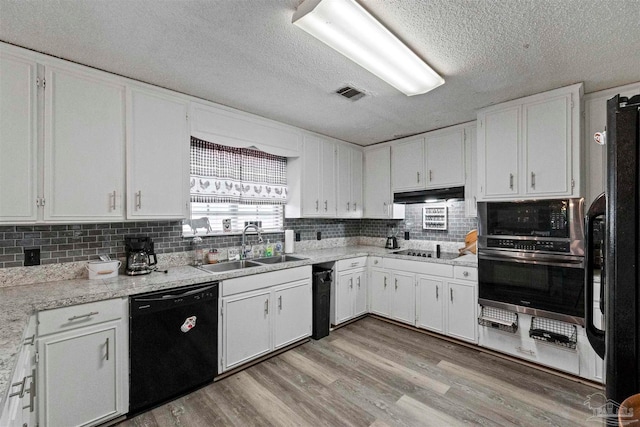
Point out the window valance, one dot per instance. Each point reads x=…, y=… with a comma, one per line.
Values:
x=222, y=174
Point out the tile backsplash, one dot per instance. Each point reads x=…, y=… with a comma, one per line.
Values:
x=83, y=242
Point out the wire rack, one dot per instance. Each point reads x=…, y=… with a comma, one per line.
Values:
x=554, y=332
x=498, y=318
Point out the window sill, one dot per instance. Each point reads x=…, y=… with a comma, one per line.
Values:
x=189, y=234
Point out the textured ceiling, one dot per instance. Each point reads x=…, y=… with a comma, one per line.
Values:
x=248, y=55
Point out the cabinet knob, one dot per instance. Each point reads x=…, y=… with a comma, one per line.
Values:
x=465, y=273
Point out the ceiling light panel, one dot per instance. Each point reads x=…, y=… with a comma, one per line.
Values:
x=348, y=28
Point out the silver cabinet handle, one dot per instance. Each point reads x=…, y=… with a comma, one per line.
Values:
x=525, y=351
x=351, y=282
x=384, y=208
x=30, y=340
x=325, y=205
x=430, y=175
x=106, y=344
x=317, y=205
x=396, y=284
x=451, y=290
x=355, y=206
x=348, y=206
x=385, y=281
x=375, y=261
x=465, y=273
x=280, y=302
x=93, y=313
x=112, y=199
x=533, y=180
x=22, y=384
x=437, y=295
x=139, y=199
x=418, y=173
x=511, y=181
x=354, y=264
x=31, y=391
x=358, y=281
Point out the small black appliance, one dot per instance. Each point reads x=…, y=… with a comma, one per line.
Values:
x=141, y=257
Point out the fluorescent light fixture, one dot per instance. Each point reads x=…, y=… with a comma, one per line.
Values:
x=345, y=26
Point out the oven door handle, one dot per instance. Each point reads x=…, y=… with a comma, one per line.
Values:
x=556, y=262
x=595, y=336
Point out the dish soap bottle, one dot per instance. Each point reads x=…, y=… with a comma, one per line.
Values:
x=268, y=251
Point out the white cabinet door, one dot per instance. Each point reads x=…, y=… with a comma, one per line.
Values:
x=246, y=327
x=349, y=182
x=430, y=303
x=445, y=159
x=78, y=376
x=377, y=185
x=18, y=139
x=379, y=292
x=403, y=301
x=547, y=146
x=471, y=171
x=84, y=147
x=462, y=310
x=360, y=287
x=328, y=179
x=343, y=297
x=498, y=156
x=407, y=165
x=311, y=184
x=157, y=156
x=292, y=308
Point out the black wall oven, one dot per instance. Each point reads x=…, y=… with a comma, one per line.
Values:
x=531, y=257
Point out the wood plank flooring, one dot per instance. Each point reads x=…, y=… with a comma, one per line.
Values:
x=373, y=373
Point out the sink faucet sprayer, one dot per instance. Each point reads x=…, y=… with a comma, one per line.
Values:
x=243, y=253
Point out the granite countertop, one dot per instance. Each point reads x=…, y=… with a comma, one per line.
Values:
x=18, y=303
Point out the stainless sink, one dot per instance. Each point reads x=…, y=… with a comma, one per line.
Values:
x=278, y=259
x=228, y=266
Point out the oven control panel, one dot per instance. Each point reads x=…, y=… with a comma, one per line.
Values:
x=528, y=245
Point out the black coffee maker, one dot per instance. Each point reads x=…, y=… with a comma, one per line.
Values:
x=141, y=258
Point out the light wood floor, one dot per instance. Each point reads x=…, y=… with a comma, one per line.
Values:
x=372, y=373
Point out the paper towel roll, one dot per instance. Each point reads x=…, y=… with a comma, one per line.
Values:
x=289, y=237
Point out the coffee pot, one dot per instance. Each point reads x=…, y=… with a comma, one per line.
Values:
x=141, y=258
x=392, y=241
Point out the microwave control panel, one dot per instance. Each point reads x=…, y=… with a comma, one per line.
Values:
x=528, y=245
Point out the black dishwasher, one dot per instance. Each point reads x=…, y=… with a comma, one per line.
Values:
x=173, y=343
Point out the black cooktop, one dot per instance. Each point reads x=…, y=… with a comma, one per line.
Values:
x=427, y=254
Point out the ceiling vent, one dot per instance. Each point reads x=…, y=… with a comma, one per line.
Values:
x=350, y=93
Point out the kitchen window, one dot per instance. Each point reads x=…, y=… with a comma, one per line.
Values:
x=230, y=186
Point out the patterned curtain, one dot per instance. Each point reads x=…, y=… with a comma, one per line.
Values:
x=221, y=174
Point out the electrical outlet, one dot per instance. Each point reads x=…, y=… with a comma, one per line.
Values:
x=319, y=235
x=298, y=236
x=31, y=257
x=406, y=235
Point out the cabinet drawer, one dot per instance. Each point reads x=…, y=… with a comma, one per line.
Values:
x=346, y=264
x=76, y=316
x=465, y=273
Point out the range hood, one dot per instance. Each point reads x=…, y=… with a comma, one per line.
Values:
x=423, y=196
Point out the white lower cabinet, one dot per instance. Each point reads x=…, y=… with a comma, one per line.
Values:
x=403, y=291
x=378, y=297
x=262, y=313
x=350, y=295
x=82, y=370
x=20, y=409
x=449, y=305
x=430, y=294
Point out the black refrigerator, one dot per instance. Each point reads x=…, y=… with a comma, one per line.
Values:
x=619, y=343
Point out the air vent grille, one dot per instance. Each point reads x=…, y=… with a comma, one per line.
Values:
x=350, y=93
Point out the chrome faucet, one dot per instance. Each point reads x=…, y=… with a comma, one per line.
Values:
x=243, y=252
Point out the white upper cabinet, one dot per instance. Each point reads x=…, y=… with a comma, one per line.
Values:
x=445, y=158
x=378, y=199
x=471, y=170
x=595, y=109
x=407, y=165
x=157, y=155
x=18, y=139
x=83, y=146
x=530, y=148
x=349, y=187
x=318, y=177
